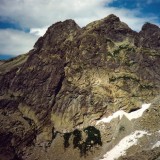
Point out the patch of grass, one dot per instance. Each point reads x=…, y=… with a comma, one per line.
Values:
x=146, y=86
x=121, y=128
x=125, y=77
x=93, y=138
x=121, y=47
x=77, y=138
x=66, y=137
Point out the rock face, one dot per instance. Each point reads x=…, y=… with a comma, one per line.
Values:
x=149, y=37
x=52, y=97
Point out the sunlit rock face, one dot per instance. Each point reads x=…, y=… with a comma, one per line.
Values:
x=81, y=93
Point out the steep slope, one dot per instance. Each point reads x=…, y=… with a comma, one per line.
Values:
x=73, y=77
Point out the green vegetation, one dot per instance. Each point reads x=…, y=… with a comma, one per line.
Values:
x=93, y=135
x=146, y=86
x=93, y=138
x=121, y=128
x=125, y=77
x=122, y=47
x=84, y=145
x=77, y=138
x=66, y=137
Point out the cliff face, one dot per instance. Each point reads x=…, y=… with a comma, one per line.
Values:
x=54, y=95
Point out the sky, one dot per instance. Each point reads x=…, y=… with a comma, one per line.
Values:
x=22, y=22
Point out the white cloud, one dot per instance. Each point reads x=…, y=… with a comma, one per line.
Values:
x=38, y=31
x=37, y=14
x=40, y=13
x=15, y=42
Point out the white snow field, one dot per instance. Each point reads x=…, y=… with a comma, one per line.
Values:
x=119, y=114
x=156, y=145
x=120, y=149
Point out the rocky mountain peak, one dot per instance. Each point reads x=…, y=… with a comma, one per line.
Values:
x=57, y=33
x=112, y=18
x=150, y=26
x=79, y=93
x=113, y=28
x=149, y=36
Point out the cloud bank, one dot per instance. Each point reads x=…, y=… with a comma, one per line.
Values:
x=14, y=42
x=35, y=15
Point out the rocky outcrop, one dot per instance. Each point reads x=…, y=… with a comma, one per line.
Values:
x=149, y=36
x=73, y=77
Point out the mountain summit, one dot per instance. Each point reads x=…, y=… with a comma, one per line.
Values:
x=83, y=93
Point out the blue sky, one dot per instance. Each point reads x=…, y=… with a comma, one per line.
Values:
x=146, y=7
x=22, y=22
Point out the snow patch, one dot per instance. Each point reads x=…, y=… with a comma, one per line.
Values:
x=120, y=149
x=156, y=145
x=119, y=114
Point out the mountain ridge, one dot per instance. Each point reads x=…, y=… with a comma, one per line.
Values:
x=71, y=78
